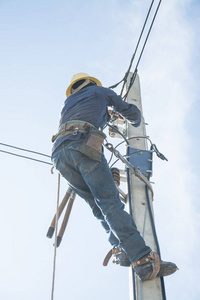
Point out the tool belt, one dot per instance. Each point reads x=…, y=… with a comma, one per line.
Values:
x=72, y=127
x=91, y=145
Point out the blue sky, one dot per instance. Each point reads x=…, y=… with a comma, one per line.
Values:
x=43, y=43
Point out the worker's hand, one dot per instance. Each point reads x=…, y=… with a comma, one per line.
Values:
x=115, y=114
x=134, y=123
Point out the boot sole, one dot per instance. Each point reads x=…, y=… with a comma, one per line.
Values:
x=166, y=268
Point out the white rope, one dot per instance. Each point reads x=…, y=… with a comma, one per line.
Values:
x=55, y=243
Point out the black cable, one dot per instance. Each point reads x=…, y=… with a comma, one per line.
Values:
x=22, y=149
x=115, y=129
x=135, y=72
x=26, y=157
x=132, y=80
x=133, y=56
x=149, y=32
x=136, y=137
x=131, y=62
x=136, y=68
x=131, y=213
x=155, y=236
x=125, y=140
x=114, y=163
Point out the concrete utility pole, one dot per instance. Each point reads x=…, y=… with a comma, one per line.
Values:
x=139, y=196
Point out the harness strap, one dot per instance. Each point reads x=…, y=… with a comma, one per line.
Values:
x=156, y=266
x=72, y=127
x=154, y=259
x=110, y=253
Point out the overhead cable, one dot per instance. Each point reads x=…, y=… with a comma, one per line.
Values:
x=135, y=71
x=132, y=59
x=23, y=156
x=27, y=157
x=131, y=62
x=22, y=149
x=124, y=80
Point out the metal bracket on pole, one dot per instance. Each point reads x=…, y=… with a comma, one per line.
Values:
x=135, y=170
x=141, y=159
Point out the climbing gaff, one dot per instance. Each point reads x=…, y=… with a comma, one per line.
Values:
x=70, y=195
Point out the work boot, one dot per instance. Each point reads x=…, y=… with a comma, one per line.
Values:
x=150, y=267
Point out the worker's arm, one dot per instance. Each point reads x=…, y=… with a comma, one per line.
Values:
x=129, y=111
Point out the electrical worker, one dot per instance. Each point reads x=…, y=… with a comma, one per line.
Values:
x=77, y=155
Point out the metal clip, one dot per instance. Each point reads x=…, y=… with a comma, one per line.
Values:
x=75, y=131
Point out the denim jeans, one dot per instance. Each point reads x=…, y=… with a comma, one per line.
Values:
x=93, y=182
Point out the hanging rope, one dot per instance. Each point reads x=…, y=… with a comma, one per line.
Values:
x=55, y=243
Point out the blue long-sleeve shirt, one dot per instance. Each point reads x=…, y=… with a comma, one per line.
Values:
x=91, y=104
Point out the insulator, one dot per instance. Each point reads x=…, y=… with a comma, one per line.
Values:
x=111, y=131
x=116, y=175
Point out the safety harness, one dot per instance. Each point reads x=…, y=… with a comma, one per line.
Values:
x=72, y=127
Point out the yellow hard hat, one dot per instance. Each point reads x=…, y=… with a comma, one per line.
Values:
x=78, y=77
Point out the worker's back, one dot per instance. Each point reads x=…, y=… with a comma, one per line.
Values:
x=89, y=104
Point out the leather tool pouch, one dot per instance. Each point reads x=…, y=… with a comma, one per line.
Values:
x=92, y=145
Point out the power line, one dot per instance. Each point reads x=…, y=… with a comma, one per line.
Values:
x=124, y=80
x=131, y=62
x=22, y=149
x=133, y=56
x=135, y=71
x=27, y=157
